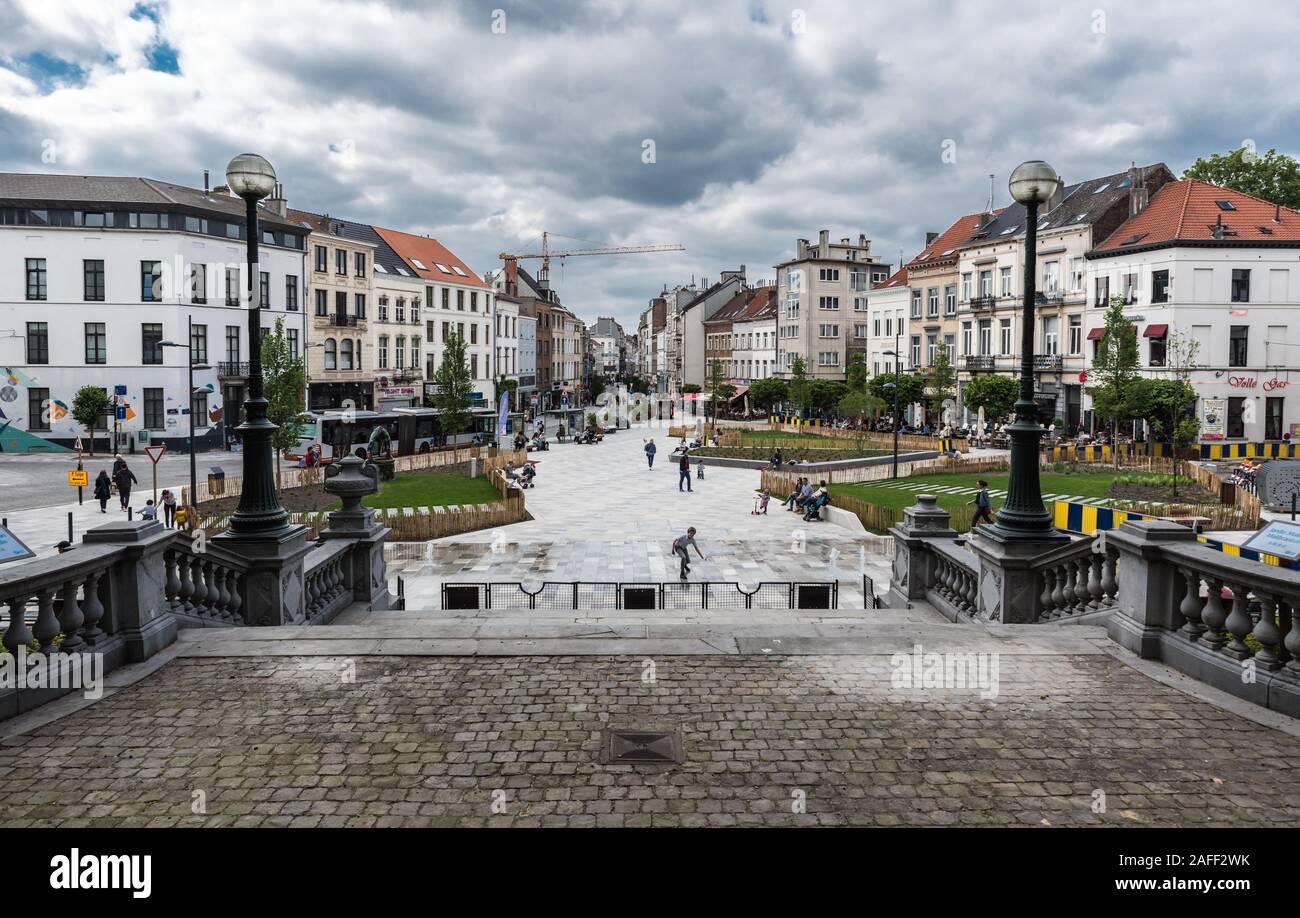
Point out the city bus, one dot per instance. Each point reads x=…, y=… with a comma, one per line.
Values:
x=410, y=430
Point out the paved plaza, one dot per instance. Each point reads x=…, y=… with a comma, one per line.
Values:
x=767, y=740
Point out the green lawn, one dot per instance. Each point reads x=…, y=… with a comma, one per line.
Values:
x=432, y=491
x=881, y=493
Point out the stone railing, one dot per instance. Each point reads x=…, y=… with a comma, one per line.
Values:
x=103, y=597
x=327, y=579
x=203, y=587
x=970, y=577
x=1221, y=619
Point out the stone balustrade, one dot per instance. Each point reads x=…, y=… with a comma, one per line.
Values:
x=1224, y=620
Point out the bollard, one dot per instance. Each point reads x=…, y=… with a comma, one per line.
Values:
x=70, y=538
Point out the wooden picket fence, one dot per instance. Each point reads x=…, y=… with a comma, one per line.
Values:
x=408, y=524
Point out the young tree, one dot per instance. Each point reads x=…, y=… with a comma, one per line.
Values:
x=89, y=406
x=1274, y=176
x=453, y=385
x=858, y=405
x=596, y=385
x=800, y=388
x=1115, y=367
x=1175, y=399
x=285, y=387
x=941, y=384
x=767, y=393
x=911, y=389
x=995, y=394
x=855, y=374
x=825, y=394
x=506, y=384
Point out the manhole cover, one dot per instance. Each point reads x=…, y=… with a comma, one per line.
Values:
x=653, y=747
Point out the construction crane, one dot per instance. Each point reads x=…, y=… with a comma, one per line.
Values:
x=543, y=276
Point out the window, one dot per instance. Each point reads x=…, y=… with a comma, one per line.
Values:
x=829, y=274
x=859, y=329
x=399, y=353
x=232, y=343
x=415, y=309
x=1129, y=285
x=359, y=305
x=415, y=352
x=264, y=289
x=828, y=359
x=1051, y=335
x=966, y=286
x=199, y=409
x=38, y=342
x=1236, y=417
x=950, y=300
x=358, y=353
x=345, y=354
x=36, y=289
x=1160, y=286
x=92, y=271
x=331, y=354
x=322, y=259
x=1157, y=353
x=1076, y=334
x=446, y=298
x=383, y=309
x=916, y=350
x=1102, y=296
x=153, y=409
x=38, y=409
x=399, y=313
x=473, y=301
x=322, y=303
x=340, y=261
x=473, y=333
x=151, y=281
x=829, y=302
x=96, y=343
x=291, y=335
x=359, y=263
x=828, y=331
x=383, y=352
x=232, y=286
x=291, y=292
x=932, y=302
x=986, y=283
x=1237, y=345
x=1240, y=285
x=341, y=305
x=930, y=342
x=966, y=338
x=1273, y=418
x=151, y=344
x=1004, y=333
x=986, y=336
x=473, y=365
x=198, y=283
x=916, y=304
x=1076, y=275
x=460, y=301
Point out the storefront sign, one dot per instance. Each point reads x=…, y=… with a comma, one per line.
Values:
x=1251, y=382
x=1214, y=414
x=1272, y=385
x=398, y=392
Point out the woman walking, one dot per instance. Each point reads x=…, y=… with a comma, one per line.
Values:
x=103, y=490
x=169, y=506
x=123, y=477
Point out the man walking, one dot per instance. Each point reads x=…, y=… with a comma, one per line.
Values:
x=684, y=470
x=983, y=506
x=680, y=545
x=123, y=477
x=650, y=449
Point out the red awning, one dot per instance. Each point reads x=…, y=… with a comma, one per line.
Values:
x=1156, y=331
x=740, y=391
x=1096, y=334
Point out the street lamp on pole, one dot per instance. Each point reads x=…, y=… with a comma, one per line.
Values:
x=894, y=385
x=189, y=359
x=1023, y=517
x=259, y=517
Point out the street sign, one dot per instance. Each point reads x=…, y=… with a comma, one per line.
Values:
x=12, y=547
x=119, y=390
x=120, y=412
x=78, y=478
x=77, y=445
x=155, y=452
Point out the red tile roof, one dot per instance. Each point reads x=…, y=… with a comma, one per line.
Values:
x=1187, y=210
x=954, y=236
x=897, y=279
x=745, y=305
x=431, y=253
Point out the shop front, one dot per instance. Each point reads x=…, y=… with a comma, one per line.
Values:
x=390, y=397
x=1252, y=407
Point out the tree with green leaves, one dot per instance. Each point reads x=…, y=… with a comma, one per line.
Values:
x=858, y=405
x=911, y=389
x=453, y=385
x=1168, y=404
x=596, y=384
x=994, y=393
x=1115, y=367
x=506, y=384
x=941, y=384
x=768, y=393
x=1274, y=176
x=89, y=406
x=825, y=394
x=855, y=373
x=285, y=387
x=799, y=387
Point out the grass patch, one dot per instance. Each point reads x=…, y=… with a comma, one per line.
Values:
x=1077, y=484
x=432, y=491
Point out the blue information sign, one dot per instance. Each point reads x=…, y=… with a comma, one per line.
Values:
x=119, y=390
x=12, y=547
x=1277, y=538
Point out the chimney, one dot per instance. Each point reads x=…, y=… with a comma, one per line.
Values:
x=988, y=216
x=862, y=240
x=205, y=183
x=929, y=238
x=800, y=249
x=824, y=243
x=512, y=277
x=276, y=203
x=1217, y=230
x=1137, y=190
x=1277, y=213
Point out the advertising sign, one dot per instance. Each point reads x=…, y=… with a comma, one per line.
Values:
x=1214, y=416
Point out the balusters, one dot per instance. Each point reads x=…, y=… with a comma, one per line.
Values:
x=172, y=585
x=1067, y=592
x=1095, y=594
x=234, y=601
x=219, y=588
x=46, y=628
x=1266, y=632
x=210, y=589
x=1291, y=643
x=92, y=610
x=1058, y=590
x=1213, y=614
x=1238, y=623
x=1190, y=608
x=186, y=593
x=1283, y=628
x=1082, y=565
x=17, y=634
x=1045, y=601
x=71, y=619
x=199, y=599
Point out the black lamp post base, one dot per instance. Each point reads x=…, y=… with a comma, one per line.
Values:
x=1023, y=518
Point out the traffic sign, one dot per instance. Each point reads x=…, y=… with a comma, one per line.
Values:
x=120, y=412
x=77, y=445
x=155, y=452
x=78, y=478
x=119, y=390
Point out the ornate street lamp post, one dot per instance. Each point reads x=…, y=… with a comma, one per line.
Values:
x=259, y=517
x=1023, y=517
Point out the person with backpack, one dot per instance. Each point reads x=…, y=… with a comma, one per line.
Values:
x=983, y=506
x=123, y=477
x=650, y=450
x=684, y=470
x=103, y=490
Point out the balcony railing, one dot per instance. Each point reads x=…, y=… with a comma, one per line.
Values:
x=1047, y=361
x=982, y=303
x=343, y=321
x=976, y=362
x=232, y=369
x=1053, y=298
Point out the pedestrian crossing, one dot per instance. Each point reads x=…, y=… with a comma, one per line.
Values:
x=922, y=487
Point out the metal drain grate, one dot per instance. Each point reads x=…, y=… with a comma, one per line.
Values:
x=642, y=747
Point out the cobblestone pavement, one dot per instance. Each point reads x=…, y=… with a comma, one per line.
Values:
x=517, y=741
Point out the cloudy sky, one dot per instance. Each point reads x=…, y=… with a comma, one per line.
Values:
x=729, y=127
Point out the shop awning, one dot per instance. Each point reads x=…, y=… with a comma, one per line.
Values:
x=740, y=391
x=1096, y=334
x=1156, y=331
